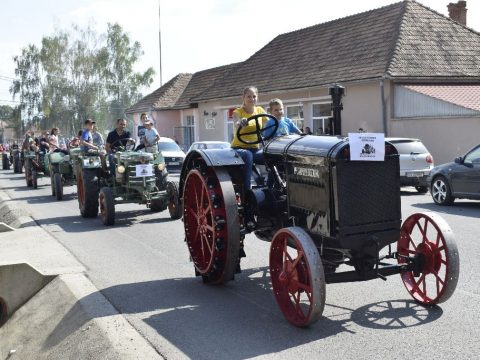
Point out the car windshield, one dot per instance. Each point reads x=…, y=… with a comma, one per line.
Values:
x=408, y=147
x=168, y=146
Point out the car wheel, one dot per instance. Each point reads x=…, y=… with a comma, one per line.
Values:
x=441, y=193
x=422, y=189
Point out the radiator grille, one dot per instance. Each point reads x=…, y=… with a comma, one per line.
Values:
x=368, y=192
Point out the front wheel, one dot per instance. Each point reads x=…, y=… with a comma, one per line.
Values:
x=429, y=240
x=57, y=180
x=297, y=275
x=441, y=192
x=174, y=207
x=107, y=206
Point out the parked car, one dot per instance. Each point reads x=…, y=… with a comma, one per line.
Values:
x=416, y=162
x=174, y=156
x=209, y=145
x=459, y=179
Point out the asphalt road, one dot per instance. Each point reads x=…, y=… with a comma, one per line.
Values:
x=142, y=266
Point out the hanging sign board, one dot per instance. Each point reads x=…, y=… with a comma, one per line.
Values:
x=367, y=146
x=210, y=124
x=143, y=170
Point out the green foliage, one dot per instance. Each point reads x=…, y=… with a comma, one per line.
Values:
x=79, y=74
x=6, y=113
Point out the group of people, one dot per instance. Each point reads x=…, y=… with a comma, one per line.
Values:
x=148, y=136
x=252, y=153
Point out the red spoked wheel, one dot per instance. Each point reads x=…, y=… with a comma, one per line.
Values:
x=428, y=238
x=211, y=222
x=297, y=275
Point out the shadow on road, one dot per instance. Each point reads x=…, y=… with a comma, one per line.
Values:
x=239, y=320
x=470, y=209
x=77, y=223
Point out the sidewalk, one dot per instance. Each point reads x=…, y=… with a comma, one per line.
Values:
x=67, y=319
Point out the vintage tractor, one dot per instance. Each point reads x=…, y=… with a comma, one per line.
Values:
x=135, y=181
x=61, y=171
x=322, y=210
x=36, y=166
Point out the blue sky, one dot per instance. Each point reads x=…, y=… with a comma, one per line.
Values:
x=196, y=34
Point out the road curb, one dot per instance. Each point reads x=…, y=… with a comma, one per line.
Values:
x=35, y=330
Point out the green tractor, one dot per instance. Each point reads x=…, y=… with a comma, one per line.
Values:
x=61, y=171
x=36, y=166
x=140, y=177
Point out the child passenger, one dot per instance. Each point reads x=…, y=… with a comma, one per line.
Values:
x=285, y=125
x=247, y=152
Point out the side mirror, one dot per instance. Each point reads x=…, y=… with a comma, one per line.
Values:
x=459, y=160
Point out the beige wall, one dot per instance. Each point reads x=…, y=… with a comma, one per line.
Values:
x=445, y=138
x=362, y=108
x=166, y=121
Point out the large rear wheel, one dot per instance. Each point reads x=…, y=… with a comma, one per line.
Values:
x=57, y=180
x=87, y=191
x=212, y=228
x=34, y=176
x=107, y=206
x=297, y=276
x=174, y=207
x=17, y=163
x=5, y=162
x=28, y=169
x=429, y=239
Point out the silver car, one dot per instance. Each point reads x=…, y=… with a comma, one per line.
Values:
x=202, y=145
x=416, y=162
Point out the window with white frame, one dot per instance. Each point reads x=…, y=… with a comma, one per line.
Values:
x=295, y=113
x=321, y=112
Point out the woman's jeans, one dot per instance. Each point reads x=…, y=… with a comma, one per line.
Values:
x=249, y=156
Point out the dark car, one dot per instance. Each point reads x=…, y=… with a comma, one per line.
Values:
x=459, y=179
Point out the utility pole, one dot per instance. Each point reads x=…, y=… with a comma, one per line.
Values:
x=160, y=42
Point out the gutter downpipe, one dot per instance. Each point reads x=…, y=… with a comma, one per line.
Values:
x=384, y=106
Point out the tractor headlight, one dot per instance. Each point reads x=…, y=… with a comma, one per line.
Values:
x=161, y=167
x=121, y=169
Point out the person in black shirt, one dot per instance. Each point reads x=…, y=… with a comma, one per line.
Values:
x=115, y=139
x=118, y=137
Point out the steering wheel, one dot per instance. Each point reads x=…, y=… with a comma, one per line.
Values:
x=123, y=142
x=258, y=130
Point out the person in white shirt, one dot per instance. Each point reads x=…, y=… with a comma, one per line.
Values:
x=151, y=136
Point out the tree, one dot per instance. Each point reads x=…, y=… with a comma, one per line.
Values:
x=116, y=61
x=27, y=84
x=6, y=113
x=78, y=74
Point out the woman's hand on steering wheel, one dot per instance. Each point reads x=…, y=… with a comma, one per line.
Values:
x=259, y=131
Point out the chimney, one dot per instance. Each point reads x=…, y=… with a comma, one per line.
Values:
x=458, y=12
